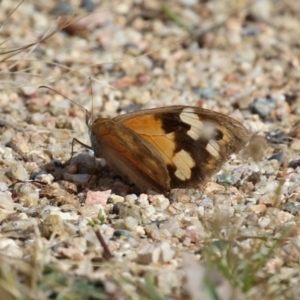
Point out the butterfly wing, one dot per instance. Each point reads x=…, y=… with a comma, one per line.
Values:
x=130, y=155
x=193, y=142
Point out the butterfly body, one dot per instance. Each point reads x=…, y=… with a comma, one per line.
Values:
x=168, y=147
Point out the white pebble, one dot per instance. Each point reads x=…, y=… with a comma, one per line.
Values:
x=225, y=210
x=160, y=252
x=268, y=187
x=167, y=253
x=161, y=202
x=131, y=198
x=6, y=202
x=47, y=178
x=264, y=222
x=130, y=223
x=143, y=201
x=3, y=187
x=149, y=212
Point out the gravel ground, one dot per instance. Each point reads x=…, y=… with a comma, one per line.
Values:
x=240, y=58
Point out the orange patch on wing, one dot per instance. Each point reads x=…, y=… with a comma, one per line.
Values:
x=146, y=124
x=165, y=145
x=150, y=129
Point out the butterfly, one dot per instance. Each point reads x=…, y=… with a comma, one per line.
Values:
x=164, y=148
x=168, y=147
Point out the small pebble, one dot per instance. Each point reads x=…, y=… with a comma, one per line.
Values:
x=97, y=197
x=269, y=199
x=154, y=253
x=160, y=202
x=143, y=200
x=3, y=187
x=6, y=202
x=17, y=172
x=29, y=90
x=259, y=208
x=122, y=232
x=271, y=186
x=263, y=106
x=206, y=93
x=292, y=207
x=130, y=223
x=29, y=200
x=52, y=224
x=131, y=198
x=264, y=222
x=225, y=179
x=116, y=199
x=295, y=145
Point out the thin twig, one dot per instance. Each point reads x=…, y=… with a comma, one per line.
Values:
x=107, y=254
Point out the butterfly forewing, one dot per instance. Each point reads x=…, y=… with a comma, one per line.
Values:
x=130, y=155
x=193, y=142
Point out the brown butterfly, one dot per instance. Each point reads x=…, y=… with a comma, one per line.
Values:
x=168, y=147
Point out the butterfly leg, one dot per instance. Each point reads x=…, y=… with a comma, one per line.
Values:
x=85, y=146
x=79, y=142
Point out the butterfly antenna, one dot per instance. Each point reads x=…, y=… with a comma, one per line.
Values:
x=88, y=115
x=91, y=86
